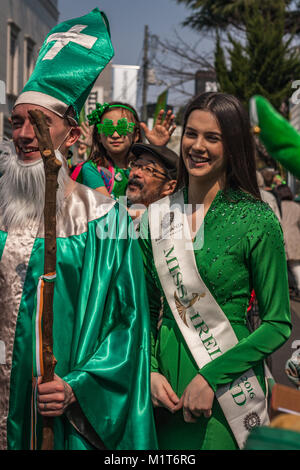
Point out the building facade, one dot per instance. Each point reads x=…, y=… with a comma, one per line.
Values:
x=24, y=24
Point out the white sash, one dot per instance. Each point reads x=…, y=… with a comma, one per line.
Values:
x=203, y=324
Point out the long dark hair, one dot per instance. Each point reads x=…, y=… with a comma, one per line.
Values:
x=238, y=142
x=98, y=152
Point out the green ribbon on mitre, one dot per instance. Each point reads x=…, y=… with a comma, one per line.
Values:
x=280, y=138
x=73, y=55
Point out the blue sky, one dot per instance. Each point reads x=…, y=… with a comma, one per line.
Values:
x=127, y=20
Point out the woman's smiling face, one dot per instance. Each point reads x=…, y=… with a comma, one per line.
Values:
x=202, y=146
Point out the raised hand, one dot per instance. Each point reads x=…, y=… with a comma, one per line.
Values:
x=162, y=130
x=86, y=137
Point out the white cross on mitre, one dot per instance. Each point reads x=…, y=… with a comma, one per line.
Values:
x=63, y=38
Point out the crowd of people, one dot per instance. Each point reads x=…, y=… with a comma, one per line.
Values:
x=149, y=326
x=275, y=191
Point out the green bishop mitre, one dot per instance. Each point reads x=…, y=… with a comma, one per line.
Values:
x=73, y=55
x=280, y=138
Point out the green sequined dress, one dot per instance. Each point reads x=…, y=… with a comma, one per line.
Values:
x=243, y=250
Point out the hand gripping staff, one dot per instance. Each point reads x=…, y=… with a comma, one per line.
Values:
x=52, y=167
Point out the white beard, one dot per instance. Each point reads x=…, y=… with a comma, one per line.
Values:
x=22, y=188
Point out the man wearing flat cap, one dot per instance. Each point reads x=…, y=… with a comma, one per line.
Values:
x=153, y=174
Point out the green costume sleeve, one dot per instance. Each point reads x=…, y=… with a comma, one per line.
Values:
x=109, y=371
x=101, y=338
x=264, y=252
x=91, y=176
x=280, y=138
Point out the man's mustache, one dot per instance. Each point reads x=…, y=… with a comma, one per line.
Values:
x=136, y=182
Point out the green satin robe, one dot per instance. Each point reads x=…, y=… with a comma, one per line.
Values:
x=242, y=250
x=101, y=328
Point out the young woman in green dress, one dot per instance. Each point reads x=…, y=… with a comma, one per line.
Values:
x=116, y=127
x=242, y=249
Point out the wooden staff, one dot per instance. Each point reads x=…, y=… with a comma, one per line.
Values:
x=52, y=167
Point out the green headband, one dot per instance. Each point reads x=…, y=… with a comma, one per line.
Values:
x=123, y=127
x=95, y=116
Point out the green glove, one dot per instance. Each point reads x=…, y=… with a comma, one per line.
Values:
x=279, y=137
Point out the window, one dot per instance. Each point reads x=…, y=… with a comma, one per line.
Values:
x=12, y=58
x=28, y=58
